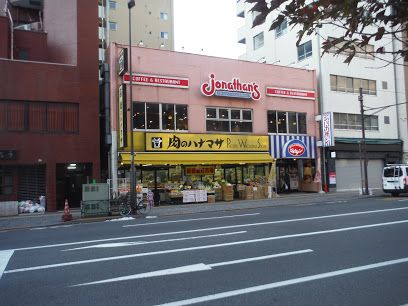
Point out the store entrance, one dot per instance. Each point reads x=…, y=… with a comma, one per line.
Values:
x=287, y=176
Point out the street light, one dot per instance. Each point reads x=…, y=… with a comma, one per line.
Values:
x=131, y=3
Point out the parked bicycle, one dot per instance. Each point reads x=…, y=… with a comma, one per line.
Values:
x=140, y=207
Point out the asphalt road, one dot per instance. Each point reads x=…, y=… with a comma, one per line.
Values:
x=352, y=252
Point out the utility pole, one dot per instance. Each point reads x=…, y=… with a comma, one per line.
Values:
x=363, y=143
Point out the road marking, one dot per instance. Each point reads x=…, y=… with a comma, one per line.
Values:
x=72, y=263
x=212, y=228
x=227, y=294
x=403, y=200
x=191, y=268
x=4, y=259
x=122, y=244
x=188, y=220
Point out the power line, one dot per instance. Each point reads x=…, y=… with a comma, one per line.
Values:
x=383, y=107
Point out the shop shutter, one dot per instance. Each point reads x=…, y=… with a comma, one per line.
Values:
x=348, y=174
x=31, y=182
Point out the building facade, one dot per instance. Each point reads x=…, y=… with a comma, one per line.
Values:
x=152, y=24
x=199, y=120
x=49, y=117
x=383, y=96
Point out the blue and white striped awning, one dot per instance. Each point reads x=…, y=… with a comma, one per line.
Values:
x=292, y=146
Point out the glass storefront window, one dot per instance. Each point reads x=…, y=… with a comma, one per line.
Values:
x=156, y=116
x=152, y=116
x=235, y=114
x=282, y=122
x=181, y=118
x=217, y=126
x=139, y=115
x=302, y=123
x=223, y=114
x=292, y=122
x=212, y=113
x=272, y=122
x=168, y=117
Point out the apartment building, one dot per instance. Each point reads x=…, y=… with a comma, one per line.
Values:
x=49, y=102
x=383, y=96
x=152, y=24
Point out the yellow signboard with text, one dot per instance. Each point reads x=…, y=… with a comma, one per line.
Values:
x=185, y=142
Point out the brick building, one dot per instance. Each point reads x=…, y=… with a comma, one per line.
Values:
x=49, y=100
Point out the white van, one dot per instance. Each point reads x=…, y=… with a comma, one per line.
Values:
x=395, y=179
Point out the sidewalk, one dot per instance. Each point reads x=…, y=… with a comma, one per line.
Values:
x=55, y=218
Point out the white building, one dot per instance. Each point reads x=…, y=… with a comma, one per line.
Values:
x=338, y=83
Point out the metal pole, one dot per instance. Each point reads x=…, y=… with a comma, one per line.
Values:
x=132, y=149
x=363, y=142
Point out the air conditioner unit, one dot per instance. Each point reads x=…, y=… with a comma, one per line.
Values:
x=31, y=4
x=26, y=27
x=36, y=26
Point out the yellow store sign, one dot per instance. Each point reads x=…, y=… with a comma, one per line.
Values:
x=183, y=142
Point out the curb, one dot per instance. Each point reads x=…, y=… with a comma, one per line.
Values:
x=190, y=209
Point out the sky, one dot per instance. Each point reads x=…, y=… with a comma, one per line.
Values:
x=208, y=27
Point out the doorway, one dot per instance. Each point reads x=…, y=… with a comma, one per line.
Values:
x=70, y=178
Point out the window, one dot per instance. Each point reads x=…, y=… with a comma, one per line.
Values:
x=164, y=35
x=352, y=85
x=286, y=122
x=112, y=5
x=386, y=119
x=304, y=50
x=228, y=120
x=384, y=85
x=113, y=26
x=343, y=121
x=258, y=40
x=156, y=116
x=164, y=16
x=365, y=52
x=282, y=29
x=44, y=117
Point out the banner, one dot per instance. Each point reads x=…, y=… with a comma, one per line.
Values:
x=327, y=130
x=184, y=142
x=122, y=116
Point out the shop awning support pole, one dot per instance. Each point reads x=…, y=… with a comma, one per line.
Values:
x=131, y=3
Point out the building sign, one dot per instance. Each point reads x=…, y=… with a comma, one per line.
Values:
x=122, y=61
x=156, y=80
x=8, y=154
x=122, y=114
x=183, y=142
x=231, y=89
x=327, y=130
x=284, y=146
x=290, y=93
x=200, y=170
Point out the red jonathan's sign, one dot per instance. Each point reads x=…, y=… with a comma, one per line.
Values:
x=156, y=80
x=290, y=93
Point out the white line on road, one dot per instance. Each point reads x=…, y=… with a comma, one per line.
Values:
x=4, y=259
x=227, y=294
x=213, y=228
x=188, y=220
x=122, y=244
x=191, y=268
x=72, y=263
